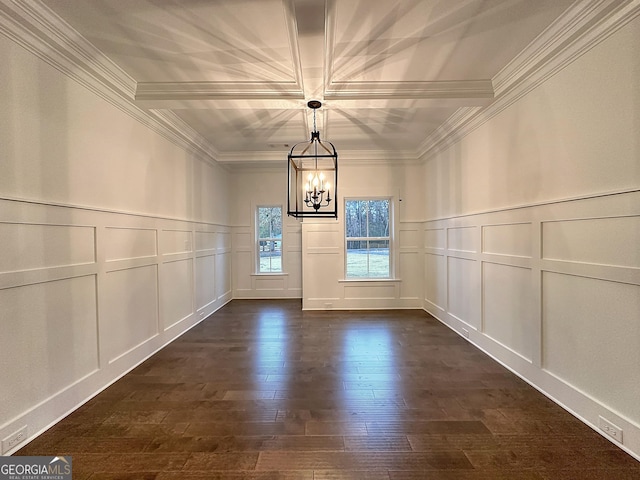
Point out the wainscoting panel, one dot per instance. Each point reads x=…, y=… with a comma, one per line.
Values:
x=223, y=241
x=131, y=309
x=559, y=298
x=508, y=306
x=462, y=239
x=242, y=238
x=323, y=239
x=60, y=330
x=435, y=238
x=205, y=241
x=411, y=267
x=176, y=288
x=175, y=241
x=591, y=241
x=377, y=291
x=435, y=291
x=86, y=295
x=205, y=281
x=410, y=238
x=223, y=276
x=512, y=240
x=292, y=258
x=269, y=282
x=31, y=246
x=127, y=243
x=464, y=290
x=243, y=261
x=591, y=327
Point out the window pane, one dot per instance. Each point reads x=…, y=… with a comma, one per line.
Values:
x=269, y=222
x=357, y=259
x=269, y=239
x=378, y=218
x=356, y=218
x=379, y=258
x=276, y=222
x=367, y=219
x=270, y=256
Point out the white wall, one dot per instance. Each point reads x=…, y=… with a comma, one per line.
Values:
x=114, y=241
x=547, y=285
x=263, y=187
x=324, y=285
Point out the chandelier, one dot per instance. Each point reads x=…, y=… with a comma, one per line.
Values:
x=313, y=176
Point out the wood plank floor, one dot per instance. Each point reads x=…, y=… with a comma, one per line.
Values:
x=262, y=390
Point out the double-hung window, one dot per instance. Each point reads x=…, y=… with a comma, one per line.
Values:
x=368, y=238
x=269, y=239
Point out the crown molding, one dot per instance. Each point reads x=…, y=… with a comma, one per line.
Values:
x=581, y=27
x=376, y=157
x=451, y=131
x=38, y=29
x=252, y=157
x=237, y=160
x=42, y=32
x=197, y=143
x=577, y=30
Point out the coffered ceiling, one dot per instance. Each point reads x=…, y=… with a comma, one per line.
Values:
x=239, y=72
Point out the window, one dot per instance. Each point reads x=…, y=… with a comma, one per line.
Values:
x=269, y=230
x=368, y=238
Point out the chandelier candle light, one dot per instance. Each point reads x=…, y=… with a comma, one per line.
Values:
x=313, y=175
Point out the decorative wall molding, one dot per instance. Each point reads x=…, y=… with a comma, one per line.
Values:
x=580, y=28
x=95, y=255
x=536, y=302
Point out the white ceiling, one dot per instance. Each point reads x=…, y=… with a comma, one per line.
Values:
x=240, y=72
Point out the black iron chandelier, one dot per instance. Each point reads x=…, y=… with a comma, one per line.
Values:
x=313, y=176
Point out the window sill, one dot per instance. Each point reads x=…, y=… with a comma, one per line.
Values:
x=267, y=274
x=369, y=280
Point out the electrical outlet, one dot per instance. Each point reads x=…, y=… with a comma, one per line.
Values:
x=328, y=306
x=465, y=333
x=16, y=438
x=610, y=429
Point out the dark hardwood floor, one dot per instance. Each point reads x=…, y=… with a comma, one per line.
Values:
x=262, y=390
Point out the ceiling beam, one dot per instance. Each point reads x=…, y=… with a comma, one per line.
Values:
x=216, y=90
x=460, y=89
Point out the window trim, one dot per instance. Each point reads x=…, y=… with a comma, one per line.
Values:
x=257, y=240
x=392, y=234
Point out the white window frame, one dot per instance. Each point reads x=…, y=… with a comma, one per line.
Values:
x=390, y=238
x=269, y=239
